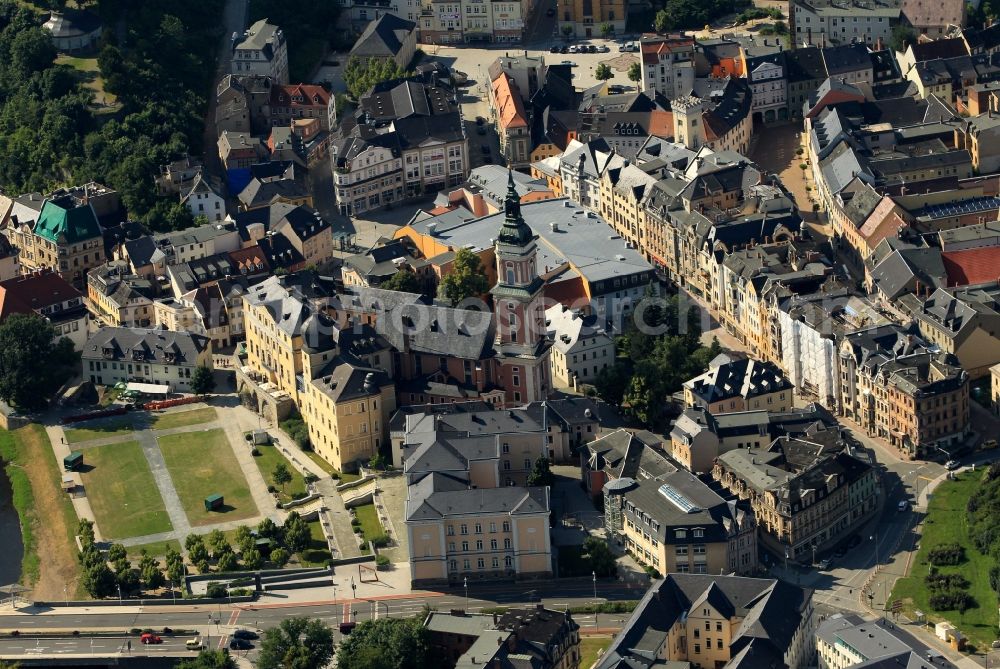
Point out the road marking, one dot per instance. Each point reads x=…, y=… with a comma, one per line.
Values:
x=234, y=616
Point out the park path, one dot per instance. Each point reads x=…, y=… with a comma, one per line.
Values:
x=158, y=467
x=57, y=437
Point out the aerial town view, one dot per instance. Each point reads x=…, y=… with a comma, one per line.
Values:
x=500, y=334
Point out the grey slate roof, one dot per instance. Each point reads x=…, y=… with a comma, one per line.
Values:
x=162, y=347
x=771, y=611
x=383, y=37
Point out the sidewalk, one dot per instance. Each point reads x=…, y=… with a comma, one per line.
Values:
x=61, y=449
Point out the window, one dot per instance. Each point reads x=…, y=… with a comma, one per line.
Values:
x=496, y=563
x=506, y=544
x=506, y=526
x=493, y=527
x=465, y=565
x=481, y=563
x=493, y=544
x=527, y=463
x=451, y=530
x=508, y=562
x=506, y=448
x=479, y=528
x=451, y=546
x=697, y=648
x=479, y=545
x=465, y=546
x=464, y=529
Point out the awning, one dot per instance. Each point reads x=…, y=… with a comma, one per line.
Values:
x=149, y=388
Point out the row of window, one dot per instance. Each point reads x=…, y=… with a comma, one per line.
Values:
x=478, y=527
x=494, y=545
x=508, y=563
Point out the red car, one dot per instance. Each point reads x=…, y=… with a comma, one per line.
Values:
x=148, y=638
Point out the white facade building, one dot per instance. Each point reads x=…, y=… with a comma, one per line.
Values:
x=262, y=51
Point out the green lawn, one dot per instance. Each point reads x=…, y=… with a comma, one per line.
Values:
x=268, y=459
x=326, y=466
x=122, y=492
x=168, y=421
x=99, y=429
x=90, y=76
x=370, y=527
x=346, y=477
x=203, y=464
x=318, y=552
x=947, y=522
x=590, y=649
x=157, y=549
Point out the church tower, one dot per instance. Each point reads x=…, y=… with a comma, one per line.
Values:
x=519, y=305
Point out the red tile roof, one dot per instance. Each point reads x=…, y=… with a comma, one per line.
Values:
x=296, y=95
x=31, y=292
x=651, y=50
x=508, y=101
x=970, y=267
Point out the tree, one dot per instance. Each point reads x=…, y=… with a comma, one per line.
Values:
x=32, y=366
x=192, y=540
x=268, y=529
x=31, y=51
x=117, y=552
x=611, y=382
x=902, y=37
x=244, y=539
x=252, y=559
x=377, y=461
x=361, y=75
x=602, y=560
x=541, y=474
x=152, y=576
x=403, y=281
x=662, y=21
x=280, y=557
x=634, y=72
x=217, y=540
x=281, y=476
x=202, y=381
x=175, y=567
x=467, y=278
x=209, y=659
x=567, y=30
x=198, y=553
x=297, y=643
x=296, y=532
x=387, y=643
x=607, y=30
x=603, y=72
x=99, y=581
x=228, y=562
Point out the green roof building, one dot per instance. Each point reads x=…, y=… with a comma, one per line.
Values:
x=63, y=221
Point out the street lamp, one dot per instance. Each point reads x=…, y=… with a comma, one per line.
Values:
x=874, y=537
x=465, y=584
x=119, y=594
x=354, y=589
x=66, y=594
x=594, y=574
x=334, y=591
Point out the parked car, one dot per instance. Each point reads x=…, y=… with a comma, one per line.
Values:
x=245, y=634
x=347, y=627
x=903, y=505
x=615, y=89
x=240, y=644
x=568, y=62
x=550, y=12
x=195, y=644
x=459, y=77
x=149, y=638
x=480, y=120
x=591, y=48
x=603, y=48
x=554, y=49
x=564, y=49
x=952, y=465
x=824, y=563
